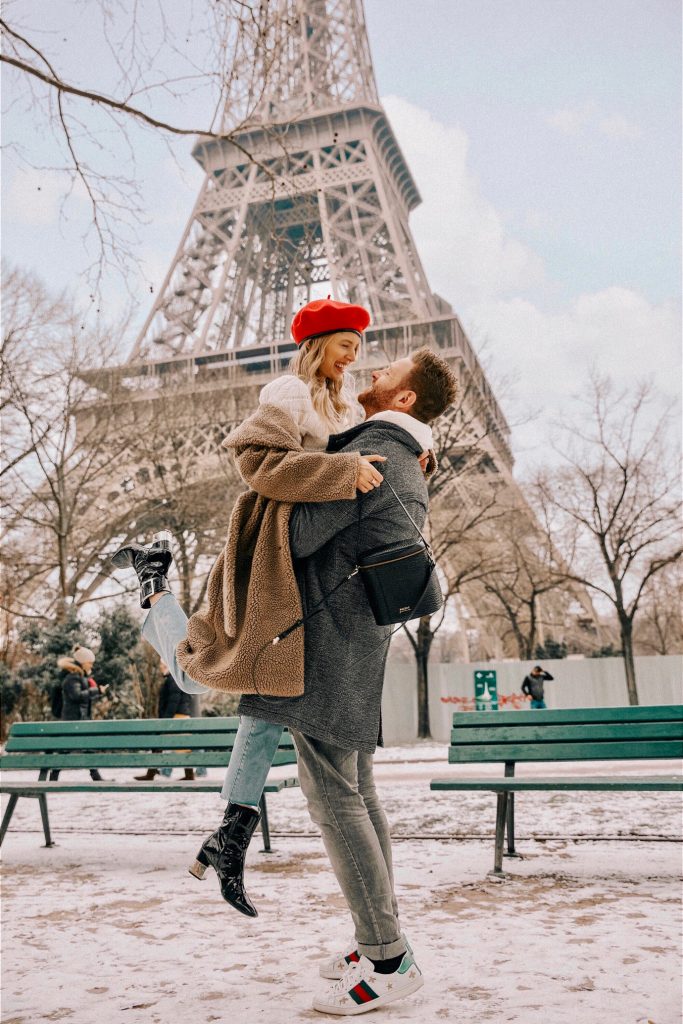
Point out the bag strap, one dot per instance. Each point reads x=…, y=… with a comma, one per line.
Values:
x=422, y=536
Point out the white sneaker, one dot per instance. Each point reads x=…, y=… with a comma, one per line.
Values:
x=334, y=967
x=361, y=989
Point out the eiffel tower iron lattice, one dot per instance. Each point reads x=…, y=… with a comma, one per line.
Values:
x=309, y=196
x=320, y=207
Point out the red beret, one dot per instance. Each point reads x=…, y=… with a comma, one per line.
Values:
x=323, y=316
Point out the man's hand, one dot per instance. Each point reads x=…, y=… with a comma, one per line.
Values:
x=427, y=462
x=369, y=477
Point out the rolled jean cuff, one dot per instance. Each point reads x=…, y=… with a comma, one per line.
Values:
x=384, y=951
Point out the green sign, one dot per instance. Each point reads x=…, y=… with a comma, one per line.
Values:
x=485, y=691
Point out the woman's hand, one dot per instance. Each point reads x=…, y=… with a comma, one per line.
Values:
x=369, y=477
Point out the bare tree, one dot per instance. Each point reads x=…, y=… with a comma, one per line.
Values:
x=471, y=497
x=213, y=59
x=52, y=478
x=524, y=571
x=660, y=626
x=615, y=501
x=180, y=479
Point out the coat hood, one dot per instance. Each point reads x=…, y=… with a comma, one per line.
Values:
x=392, y=430
x=67, y=663
x=398, y=433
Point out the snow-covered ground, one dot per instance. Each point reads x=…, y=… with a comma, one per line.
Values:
x=109, y=927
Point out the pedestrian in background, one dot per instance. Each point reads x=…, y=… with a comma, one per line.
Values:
x=173, y=703
x=79, y=693
x=533, y=686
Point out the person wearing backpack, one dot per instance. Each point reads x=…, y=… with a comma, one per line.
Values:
x=78, y=696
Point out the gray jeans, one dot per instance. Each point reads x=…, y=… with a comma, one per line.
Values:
x=339, y=787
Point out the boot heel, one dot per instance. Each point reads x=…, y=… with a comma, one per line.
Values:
x=198, y=869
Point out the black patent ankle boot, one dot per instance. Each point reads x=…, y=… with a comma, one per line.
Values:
x=225, y=851
x=151, y=565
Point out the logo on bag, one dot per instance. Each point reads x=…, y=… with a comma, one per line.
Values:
x=406, y=609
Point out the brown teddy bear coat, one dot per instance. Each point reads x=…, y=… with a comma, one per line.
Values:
x=252, y=590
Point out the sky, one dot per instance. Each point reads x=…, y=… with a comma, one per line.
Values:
x=544, y=138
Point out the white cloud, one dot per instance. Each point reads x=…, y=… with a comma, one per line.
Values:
x=465, y=246
x=570, y=121
x=574, y=120
x=619, y=127
x=617, y=330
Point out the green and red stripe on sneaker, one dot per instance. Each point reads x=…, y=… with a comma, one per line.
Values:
x=362, y=993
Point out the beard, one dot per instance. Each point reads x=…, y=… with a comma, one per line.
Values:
x=377, y=399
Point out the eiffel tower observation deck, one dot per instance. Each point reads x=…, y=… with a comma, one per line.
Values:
x=310, y=196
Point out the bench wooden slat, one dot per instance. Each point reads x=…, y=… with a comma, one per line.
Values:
x=169, y=759
x=612, y=750
x=170, y=786
x=530, y=732
x=561, y=716
x=616, y=783
x=160, y=741
x=110, y=726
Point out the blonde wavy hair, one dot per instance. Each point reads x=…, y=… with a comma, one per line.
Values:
x=333, y=400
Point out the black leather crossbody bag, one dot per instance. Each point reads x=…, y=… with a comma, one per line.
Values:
x=400, y=581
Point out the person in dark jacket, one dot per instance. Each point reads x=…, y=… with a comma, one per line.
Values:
x=533, y=686
x=79, y=693
x=173, y=703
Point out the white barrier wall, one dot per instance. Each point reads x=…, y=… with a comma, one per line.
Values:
x=585, y=683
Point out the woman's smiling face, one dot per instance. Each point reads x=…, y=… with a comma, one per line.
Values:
x=341, y=350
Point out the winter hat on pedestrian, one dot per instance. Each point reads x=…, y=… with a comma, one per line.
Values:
x=324, y=316
x=83, y=655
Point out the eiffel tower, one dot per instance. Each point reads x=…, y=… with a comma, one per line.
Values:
x=319, y=207
x=309, y=196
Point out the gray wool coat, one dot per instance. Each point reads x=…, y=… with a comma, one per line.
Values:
x=344, y=657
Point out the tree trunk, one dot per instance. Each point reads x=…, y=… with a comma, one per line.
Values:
x=626, y=627
x=422, y=648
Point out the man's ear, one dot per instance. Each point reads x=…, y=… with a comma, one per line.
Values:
x=405, y=400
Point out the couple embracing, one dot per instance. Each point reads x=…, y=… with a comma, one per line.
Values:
x=315, y=459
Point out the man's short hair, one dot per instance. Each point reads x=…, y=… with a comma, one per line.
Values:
x=434, y=383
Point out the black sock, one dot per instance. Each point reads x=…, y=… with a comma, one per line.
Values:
x=388, y=966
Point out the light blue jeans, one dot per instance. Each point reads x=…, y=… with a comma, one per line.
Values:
x=256, y=740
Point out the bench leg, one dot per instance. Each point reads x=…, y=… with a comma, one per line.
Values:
x=501, y=814
x=42, y=800
x=6, y=818
x=265, y=828
x=510, y=828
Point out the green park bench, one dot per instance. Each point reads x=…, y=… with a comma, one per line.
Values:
x=577, y=734
x=134, y=743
